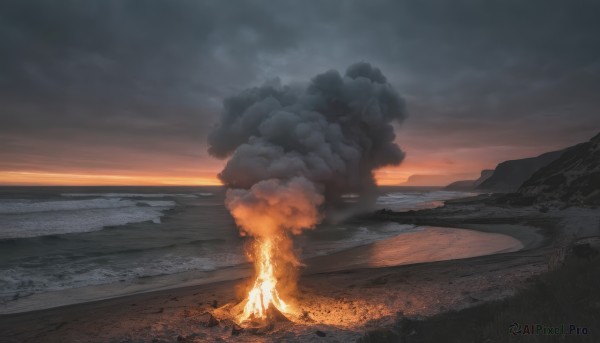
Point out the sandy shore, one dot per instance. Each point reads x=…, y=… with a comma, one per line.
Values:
x=341, y=304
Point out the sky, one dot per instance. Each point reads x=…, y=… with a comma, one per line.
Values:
x=126, y=92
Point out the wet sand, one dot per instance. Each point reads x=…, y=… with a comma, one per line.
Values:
x=342, y=304
x=426, y=244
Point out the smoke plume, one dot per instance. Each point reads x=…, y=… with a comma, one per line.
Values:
x=295, y=150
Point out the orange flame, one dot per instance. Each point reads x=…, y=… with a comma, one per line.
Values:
x=264, y=292
x=271, y=211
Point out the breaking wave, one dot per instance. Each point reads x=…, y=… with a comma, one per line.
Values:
x=27, y=218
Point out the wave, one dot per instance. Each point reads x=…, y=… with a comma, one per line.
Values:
x=206, y=194
x=30, y=206
x=198, y=243
x=22, y=281
x=26, y=218
x=138, y=195
x=405, y=201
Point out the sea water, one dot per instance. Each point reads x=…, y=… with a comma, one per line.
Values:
x=56, y=239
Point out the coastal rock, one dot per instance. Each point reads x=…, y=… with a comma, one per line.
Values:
x=465, y=185
x=510, y=175
x=209, y=320
x=574, y=178
x=460, y=185
x=320, y=333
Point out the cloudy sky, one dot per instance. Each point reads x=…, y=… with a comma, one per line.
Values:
x=125, y=92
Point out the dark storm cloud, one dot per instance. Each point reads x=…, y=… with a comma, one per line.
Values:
x=132, y=72
x=113, y=56
x=498, y=73
x=141, y=72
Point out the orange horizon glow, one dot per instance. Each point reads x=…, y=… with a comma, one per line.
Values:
x=391, y=176
x=27, y=178
x=114, y=167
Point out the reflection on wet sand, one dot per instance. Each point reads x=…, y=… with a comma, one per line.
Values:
x=426, y=244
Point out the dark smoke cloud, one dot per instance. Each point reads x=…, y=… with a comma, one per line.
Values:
x=334, y=132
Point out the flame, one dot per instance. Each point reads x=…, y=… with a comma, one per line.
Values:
x=272, y=211
x=264, y=292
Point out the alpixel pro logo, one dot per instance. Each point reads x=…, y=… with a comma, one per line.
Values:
x=516, y=329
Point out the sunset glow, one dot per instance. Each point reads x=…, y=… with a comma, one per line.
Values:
x=23, y=178
x=385, y=177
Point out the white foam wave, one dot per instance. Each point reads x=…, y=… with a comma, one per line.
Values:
x=25, y=218
x=137, y=195
x=28, y=206
x=20, y=281
x=405, y=201
x=206, y=194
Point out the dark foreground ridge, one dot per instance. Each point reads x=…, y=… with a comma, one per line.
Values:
x=560, y=306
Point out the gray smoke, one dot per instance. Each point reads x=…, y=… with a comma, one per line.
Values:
x=333, y=133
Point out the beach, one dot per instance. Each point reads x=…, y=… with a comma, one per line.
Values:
x=341, y=304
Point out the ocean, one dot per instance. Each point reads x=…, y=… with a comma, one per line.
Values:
x=61, y=242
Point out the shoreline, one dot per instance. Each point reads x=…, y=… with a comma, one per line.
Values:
x=444, y=244
x=84, y=267
x=345, y=304
x=337, y=261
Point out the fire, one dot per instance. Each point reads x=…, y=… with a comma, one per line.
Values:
x=264, y=292
x=272, y=211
